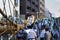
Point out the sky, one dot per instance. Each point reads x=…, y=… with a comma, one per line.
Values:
x=53, y=6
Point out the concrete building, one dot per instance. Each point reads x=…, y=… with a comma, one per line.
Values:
x=21, y=8
x=48, y=14
x=41, y=8
x=28, y=6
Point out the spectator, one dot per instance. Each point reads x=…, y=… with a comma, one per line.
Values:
x=42, y=34
x=48, y=34
x=56, y=35
x=31, y=34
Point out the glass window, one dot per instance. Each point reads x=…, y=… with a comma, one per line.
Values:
x=28, y=7
x=33, y=3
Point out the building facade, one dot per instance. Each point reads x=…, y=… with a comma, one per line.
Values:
x=48, y=14
x=41, y=8
x=21, y=8
x=28, y=7
x=35, y=7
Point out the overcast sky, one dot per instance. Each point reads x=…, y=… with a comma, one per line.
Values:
x=53, y=6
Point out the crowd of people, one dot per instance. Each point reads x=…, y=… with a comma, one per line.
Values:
x=33, y=31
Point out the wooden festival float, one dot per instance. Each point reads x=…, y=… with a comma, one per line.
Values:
x=11, y=27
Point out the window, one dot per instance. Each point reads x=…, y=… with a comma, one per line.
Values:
x=28, y=7
x=37, y=6
x=16, y=2
x=41, y=3
x=33, y=10
x=42, y=9
x=29, y=0
x=33, y=2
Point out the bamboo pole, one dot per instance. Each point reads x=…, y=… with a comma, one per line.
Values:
x=18, y=26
